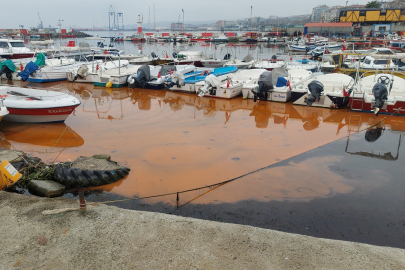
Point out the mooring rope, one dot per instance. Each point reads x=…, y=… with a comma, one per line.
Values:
x=214, y=186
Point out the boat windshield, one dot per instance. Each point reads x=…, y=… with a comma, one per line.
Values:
x=381, y=62
x=17, y=44
x=3, y=44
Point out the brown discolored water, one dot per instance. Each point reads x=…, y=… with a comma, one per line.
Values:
x=176, y=141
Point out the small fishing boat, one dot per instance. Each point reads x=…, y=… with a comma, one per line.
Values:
x=247, y=62
x=379, y=93
x=227, y=86
x=302, y=64
x=301, y=48
x=151, y=77
x=275, y=85
x=220, y=39
x=269, y=64
x=329, y=91
x=36, y=106
x=189, y=58
x=14, y=49
x=216, y=63
x=190, y=79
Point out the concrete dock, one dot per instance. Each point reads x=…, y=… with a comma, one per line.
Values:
x=107, y=237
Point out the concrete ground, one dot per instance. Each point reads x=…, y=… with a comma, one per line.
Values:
x=107, y=237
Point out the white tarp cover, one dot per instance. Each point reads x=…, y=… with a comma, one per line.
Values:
x=214, y=81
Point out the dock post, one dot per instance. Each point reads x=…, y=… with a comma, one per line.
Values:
x=82, y=201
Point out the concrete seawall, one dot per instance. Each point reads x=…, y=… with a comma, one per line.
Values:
x=106, y=237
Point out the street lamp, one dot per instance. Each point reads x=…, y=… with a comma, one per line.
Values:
x=346, y=4
x=183, y=19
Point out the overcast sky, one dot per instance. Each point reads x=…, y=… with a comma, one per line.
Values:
x=84, y=12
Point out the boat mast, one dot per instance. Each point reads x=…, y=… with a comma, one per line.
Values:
x=154, y=18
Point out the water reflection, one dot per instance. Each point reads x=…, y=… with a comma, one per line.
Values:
x=379, y=147
x=39, y=138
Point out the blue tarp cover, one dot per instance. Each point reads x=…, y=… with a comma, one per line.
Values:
x=30, y=68
x=281, y=82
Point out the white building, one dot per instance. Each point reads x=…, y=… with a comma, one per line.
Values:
x=317, y=11
x=330, y=14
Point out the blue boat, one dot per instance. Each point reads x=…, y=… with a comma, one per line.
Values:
x=199, y=76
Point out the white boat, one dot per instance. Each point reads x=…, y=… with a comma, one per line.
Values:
x=101, y=73
x=379, y=93
x=60, y=73
x=247, y=62
x=189, y=58
x=221, y=38
x=269, y=64
x=187, y=83
x=227, y=86
x=216, y=63
x=37, y=106
x=281, y=85
x=302, y=64
x=372, y=63
x=21, y=63
x=329, y=91
x=14, y=49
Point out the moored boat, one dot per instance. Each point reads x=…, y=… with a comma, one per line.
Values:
x=37, y=106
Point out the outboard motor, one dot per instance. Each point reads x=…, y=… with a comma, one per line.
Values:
x=211, y=85
x=265, y=86
x=373, y=133
x=174, y=55
x=380, y=92
x=274, y=59
x=153, y=55
x=227, y=56
x=9, y=73
x=316, y=89
x=82, y=72
x=141, y=78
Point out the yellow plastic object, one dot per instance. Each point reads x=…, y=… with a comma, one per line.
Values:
x=8, y=175
x=109, y=84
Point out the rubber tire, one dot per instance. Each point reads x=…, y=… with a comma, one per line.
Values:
x=76, y=178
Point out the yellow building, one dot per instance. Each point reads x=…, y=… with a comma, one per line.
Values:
x=372, y=15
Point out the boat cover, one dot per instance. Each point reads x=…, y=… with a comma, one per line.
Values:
x=214, y=81
x=30, y=68
x=276, y=73
x=281, y=82
x=166, y=69
x=40, y=59
x=248, y=58
x=9, y=64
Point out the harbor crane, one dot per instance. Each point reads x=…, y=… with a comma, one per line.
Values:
x=40, y=25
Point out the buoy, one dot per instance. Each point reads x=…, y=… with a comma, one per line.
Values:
x=109, y=84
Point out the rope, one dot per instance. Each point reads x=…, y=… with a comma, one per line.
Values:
x=213, y=186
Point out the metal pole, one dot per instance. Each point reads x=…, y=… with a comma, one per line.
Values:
x=119, y=64
x=183, y=20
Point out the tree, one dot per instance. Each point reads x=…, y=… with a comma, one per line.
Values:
x=373, y=4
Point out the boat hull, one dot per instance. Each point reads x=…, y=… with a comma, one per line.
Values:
x=43, y=115
x=358, y=104
x=326, y=101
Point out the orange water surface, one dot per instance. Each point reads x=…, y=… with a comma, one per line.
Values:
x=176, y=141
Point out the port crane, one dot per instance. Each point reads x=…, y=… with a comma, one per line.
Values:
x=40, y=25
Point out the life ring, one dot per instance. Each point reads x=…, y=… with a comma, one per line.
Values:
x=205, y=72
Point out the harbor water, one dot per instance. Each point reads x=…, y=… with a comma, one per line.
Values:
x=299, y=169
